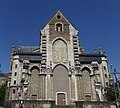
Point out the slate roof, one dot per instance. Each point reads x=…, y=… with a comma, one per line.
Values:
x=88, y=58
x=31, y=53
x=28, y=49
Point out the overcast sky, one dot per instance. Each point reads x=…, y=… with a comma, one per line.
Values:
x=98, y=23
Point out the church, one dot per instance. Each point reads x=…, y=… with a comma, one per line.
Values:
x=58, y=69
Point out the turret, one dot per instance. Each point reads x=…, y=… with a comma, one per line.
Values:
x=100, y=51
x=82, y=50
x=11, y=57
x=19, y=47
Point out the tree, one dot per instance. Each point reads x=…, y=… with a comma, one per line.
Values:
x=2, y=92
x=110, y=95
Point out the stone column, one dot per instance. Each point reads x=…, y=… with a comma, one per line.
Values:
x=42, y=85
x=52, y=86
x=49, y=86
x=93, y=88
x=78, y=83
x=79, y=87
x=73, y=96
x=29, y=86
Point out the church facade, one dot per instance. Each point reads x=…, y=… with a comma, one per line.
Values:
x=58, y=69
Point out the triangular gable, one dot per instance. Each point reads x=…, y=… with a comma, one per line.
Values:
x=56, y=19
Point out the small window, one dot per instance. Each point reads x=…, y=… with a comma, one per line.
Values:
x=15, y=65
x=15, y=74
x=13, y=91
x=105, y=75
x=107, y=84
x=104, y=68
x=14, y=81
x=58, y=17
x=58, y=27
x=25, y=66
x=95, y=68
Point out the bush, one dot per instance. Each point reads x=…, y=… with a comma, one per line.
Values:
x=2, y=92
x=110, y=95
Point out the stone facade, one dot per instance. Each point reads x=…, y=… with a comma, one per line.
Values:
x=94, y=104
x=51, y=104
x=59, y=69
x=29, y=104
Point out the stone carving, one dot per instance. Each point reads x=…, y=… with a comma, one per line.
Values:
x=25, y=89
x=59, y=51
x=98, y=78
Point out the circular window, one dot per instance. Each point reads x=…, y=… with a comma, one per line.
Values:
x=58, y=16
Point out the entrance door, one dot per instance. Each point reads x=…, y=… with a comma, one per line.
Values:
x=61, y=85
x=61, y=99
x=34, y=97
x=88, y=98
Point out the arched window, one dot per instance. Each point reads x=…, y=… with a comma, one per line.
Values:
x=59, y=51
x=105, y=72
x=86, y=80
x=58, y=27
x=104, y=68
x=34, y=82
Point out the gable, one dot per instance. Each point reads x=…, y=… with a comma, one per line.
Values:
x=58, y=17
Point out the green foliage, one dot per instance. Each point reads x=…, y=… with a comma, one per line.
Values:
x=110, y=95
x=2, y=92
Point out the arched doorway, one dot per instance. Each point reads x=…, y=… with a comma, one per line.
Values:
x=61, y=99
x=61, y=85
x=87, y=98
x=34, y=97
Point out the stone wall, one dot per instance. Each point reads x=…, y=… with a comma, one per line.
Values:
x=95, y=104
x=30, y=104
x=51, y=104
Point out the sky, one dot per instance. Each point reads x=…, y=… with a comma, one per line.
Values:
x=98, y=23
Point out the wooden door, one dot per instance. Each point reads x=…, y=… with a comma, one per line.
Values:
x=88, y=98
x=61, y=99
x=34, y=97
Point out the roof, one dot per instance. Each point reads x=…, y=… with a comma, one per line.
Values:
x=92, y=55
x=27, y=50
x=89, y=58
